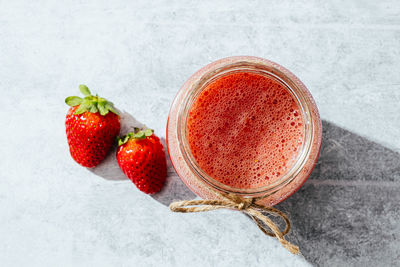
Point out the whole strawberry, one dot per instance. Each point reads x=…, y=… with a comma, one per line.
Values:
x=141, y=157
x=92, y=123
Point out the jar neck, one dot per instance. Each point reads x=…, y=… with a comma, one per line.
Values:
x=267, y=69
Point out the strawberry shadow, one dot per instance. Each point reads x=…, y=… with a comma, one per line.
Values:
x=108, y=169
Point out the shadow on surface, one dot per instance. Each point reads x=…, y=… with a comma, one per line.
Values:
x=174, y=188
x=348, y=211
x=108, y=168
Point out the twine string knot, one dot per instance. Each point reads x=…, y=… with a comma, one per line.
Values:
x=245, y=205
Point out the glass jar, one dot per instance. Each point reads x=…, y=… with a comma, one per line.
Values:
x=200, y=182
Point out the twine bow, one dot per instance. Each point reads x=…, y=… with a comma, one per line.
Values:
x=246, y=205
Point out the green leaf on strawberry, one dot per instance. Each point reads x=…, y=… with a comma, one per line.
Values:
x=109, y=106
x=84, y=90
x=93, y=108
x=83, y=107
x=123, y=141
x=140, y=135
x=148, y=132
x=136, y=134
x=102, y=108
x=90, y=103
x=73, y=101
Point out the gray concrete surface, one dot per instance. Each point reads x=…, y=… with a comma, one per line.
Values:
x=138, y=53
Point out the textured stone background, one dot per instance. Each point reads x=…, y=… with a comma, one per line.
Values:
x=138, y=53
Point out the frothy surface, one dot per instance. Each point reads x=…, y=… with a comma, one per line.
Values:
x=245, y=130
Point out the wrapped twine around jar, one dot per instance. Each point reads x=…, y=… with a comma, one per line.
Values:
x=216, y=194
x=246, y=205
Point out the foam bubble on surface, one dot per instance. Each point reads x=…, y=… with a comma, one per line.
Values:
x=244, y=130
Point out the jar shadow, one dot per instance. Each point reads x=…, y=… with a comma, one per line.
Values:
x=347, y=211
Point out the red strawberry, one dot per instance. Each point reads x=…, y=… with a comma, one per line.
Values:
x=91, y=127
x=141, y=157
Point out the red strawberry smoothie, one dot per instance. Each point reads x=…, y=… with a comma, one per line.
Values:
x=245, y=130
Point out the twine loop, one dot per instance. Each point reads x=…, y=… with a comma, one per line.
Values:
x=245, y=205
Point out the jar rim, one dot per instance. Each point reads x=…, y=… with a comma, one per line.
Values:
x=264, y=67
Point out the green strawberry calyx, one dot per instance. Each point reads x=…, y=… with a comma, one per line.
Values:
x=136, y=134
x=90, y=103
